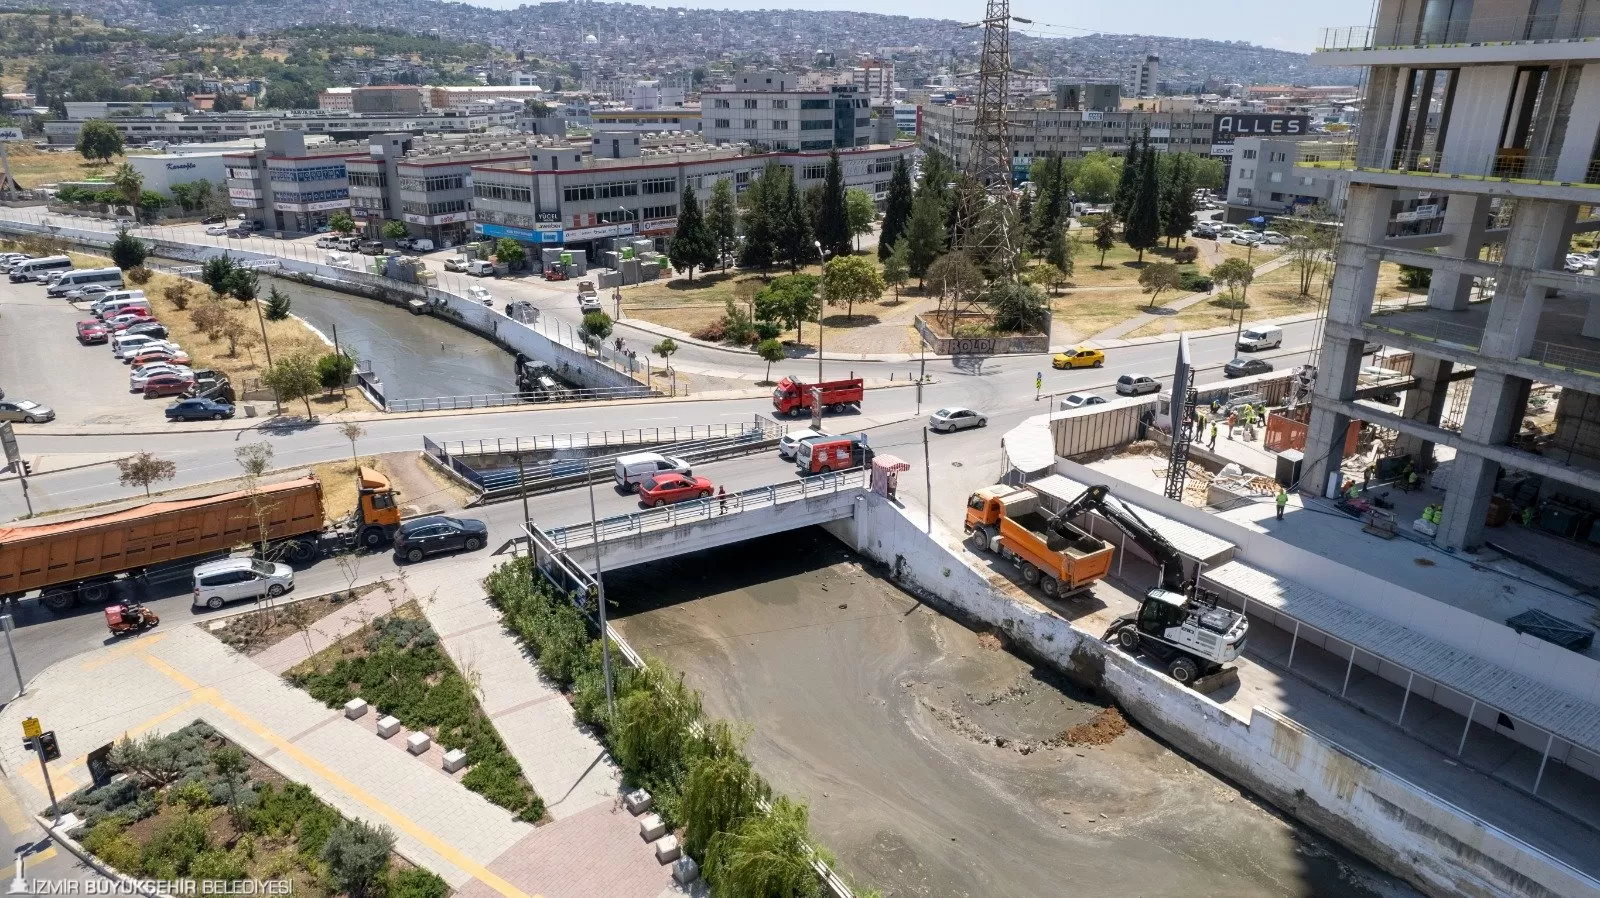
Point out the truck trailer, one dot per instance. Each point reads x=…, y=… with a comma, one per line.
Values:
x=1049, y=551
x=80, y=560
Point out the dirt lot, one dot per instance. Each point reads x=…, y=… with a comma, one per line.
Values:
x=935, y=762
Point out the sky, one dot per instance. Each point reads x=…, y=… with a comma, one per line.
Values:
x=1285, y=24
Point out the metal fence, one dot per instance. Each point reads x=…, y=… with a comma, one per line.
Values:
x=1433, y=32
x=1425, y=328
x=619, y=438
x=495, y=400
x=556, y=473
x=1567, y=358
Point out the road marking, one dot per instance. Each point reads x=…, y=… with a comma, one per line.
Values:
x=135, y=646
x=15, y=818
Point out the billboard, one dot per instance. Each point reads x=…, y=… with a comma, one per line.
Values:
x=1228, y=127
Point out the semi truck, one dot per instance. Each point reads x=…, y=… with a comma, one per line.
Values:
x=1049, y=551
x=81, y=560
x=794, y=397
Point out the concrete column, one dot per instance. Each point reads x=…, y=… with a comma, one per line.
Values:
x=1538, y=228
x=1424, y=403
x=1464, y=220
x=1355, y=275
x=1493, y=412
x=1337, y=369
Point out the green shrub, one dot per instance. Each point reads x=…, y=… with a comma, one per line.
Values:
x=765, y=857
x=414, y=883
x=108, y=842
x=499, y=779
x=1186, y=255
x=218, y=864
x=356, y=854
x=192, y=795
x=1194, y=282
x=173, y=846
x=534, y=812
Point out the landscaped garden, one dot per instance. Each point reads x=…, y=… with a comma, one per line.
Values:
x=191, y=806
x=398, y=666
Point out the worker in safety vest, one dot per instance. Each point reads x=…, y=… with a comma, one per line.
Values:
x=1283, y=500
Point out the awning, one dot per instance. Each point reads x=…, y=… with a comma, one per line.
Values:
x=1258, y=220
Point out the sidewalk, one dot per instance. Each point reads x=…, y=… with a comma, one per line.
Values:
x=1115, y=332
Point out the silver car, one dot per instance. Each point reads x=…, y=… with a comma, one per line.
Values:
x=1137, y=385
x=26, y=411
x=947, y=420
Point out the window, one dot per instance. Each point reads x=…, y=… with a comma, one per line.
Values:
x=1244, y=193
x=503, y=192
x=816, y=145
x=1277, y=197
x=780, y=104
x=1277, y=177
x=719, y=104
x=751, y=124
x=578, y=194
x=1247, y=154
x=659, y=185
x=749, y=104
x=619, y=189
x=881, y=167
x=615, y=216
x=720, y=123
x=661, y=211
x=780, y=124
x=816, y=124
x=814, y=172
x=742, y=177
x=815, y=104
x=1277, y=157
x=302, y=175
x=368, y=179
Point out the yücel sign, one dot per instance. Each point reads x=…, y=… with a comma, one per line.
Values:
x=1262, y=125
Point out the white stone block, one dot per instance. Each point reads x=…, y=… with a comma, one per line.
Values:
x=388, y=726
x=667, y=849
x=454, y=760
x=355, y=708
x=638, y=801
x=685, y=870
x=417, y=743
x=651, y=827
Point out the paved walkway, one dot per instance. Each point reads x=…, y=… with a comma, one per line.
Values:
x=1118, y=331
x=341, y=622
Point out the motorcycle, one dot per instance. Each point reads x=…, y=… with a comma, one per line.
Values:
x=130, y=617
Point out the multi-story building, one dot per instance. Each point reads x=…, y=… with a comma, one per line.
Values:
x=231, y=126
x=1264, y=179
x=1071, y=132
x=287, y=186
x=336, y=99
x=619, y=185
x=387, y=99
x=1144, y=76
x=429, y=187
x=664, y=118
x=875, y=79
x=1508, y=157
x=443, y=98
x=769, y=110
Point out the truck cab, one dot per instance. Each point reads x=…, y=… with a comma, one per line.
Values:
x=378, y=511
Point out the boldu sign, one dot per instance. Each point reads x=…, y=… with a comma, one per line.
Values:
x=1261, y=126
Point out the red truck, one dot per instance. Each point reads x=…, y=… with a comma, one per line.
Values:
x=793, y=397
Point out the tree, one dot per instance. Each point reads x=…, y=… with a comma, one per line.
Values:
x=1017, y=308
x=356, y=854
x=790, y=300
x=99, y=141
x=795, y=244
x=1047, y=275
x=771, y=350
x=1097, y=178
x=216, y=272
x=1143, y=228
x=341, y=223
x=1208, y=173
x=722, y=222
x=230, y=765
x=665, y=349
x=243, y=284
x=1159, y=277
x=719, y=792
x=954, y=276
x=1309, y=247
x=236, y=332
x=862, y=212
x=896, y=209
x=1105, y=236
x=1235, y=274
x=128, y=183
x=897, y=266
x=833, y=226
x=278, y=304
x=1059, y=251
x=509, y=252
x=1177, y=212
x=851, y=279
x=596, y=326
x=295, y=377
x=128, y=251
x=334, y=370
x=763, y=211
x=393, y=230
x=144, y=469
x=1128, y=182
x=1049, y=213
x=924, y=235
x=767, y=856
x=150, y=203
x=352, y=431
x=254, y=458
x=692, y=245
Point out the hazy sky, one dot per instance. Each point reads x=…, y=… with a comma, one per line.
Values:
x=1287, y=24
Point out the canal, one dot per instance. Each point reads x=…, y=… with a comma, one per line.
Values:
x=937, y=763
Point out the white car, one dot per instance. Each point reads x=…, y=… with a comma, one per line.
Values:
x=216, y=230
x=1246, y=238
x=129, y=351
x=218, y=582
x=90, y=291
x=138, y=379
x=1079, y=400
x=328, y=241
x=792, y=439
x=1137, y=385
x=949, y=420
x=1580, y=262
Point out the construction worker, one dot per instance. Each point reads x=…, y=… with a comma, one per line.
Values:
x=1213, y=434
x=1366, y=475
x=1527, y=516
x=1283, y=500
x=1233, y=421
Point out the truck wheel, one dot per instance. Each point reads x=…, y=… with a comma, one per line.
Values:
x=301, y=550
x=1128, y=638
x=980, y=539
x=1184, y=670
x=794, y=412
x=1030, y=574
x=837, y=408
x=57, y=599
x=1050, y=586
x=94, y=593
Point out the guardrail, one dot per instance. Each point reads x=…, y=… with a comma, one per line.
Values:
x=494, y=400
x=548, y=442
x=1459, y=31
x=1508, y=165
x=558, y=473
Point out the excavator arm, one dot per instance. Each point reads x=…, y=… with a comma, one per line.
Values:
x=1099, y=499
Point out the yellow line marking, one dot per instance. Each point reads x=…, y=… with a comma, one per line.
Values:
x=377, y=806
x=12, y=814
x=39, y=857
x=139, y=646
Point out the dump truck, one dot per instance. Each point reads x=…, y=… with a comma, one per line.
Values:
x=1049, y=551
x=81, y=560
x=794, y=397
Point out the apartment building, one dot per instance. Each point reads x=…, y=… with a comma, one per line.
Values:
x=1265, y=181
x=1490, y=113
x=770, y=110
x=427, y=186
x=1143, y=76
x=286, y=185
x=1073, y=132
x=386, y=99
x=576, y=196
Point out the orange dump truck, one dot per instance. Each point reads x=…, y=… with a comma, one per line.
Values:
x=79, y=560
x=1052, y=553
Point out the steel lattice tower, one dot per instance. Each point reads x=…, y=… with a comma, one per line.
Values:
x=988, y=164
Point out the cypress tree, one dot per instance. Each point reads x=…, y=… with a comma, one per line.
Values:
x=1047, y=212
x=764, y=198
x=833, y=218
x=691, y=244
x=722, y=221
x=896, y=209
x=1128, y=183
x=1143, y=230
x=1177, y=213
x=794, y=229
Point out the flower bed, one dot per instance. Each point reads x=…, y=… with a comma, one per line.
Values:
x=191, y=806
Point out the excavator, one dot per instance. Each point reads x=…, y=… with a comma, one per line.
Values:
x=1178, y=623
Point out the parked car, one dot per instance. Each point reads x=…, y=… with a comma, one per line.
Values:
x=433, y=534
x=217, y=230
x=953, y=418
x=1082, y=357
x=1206, y=231
x=199, y=410
x=1260, y=336
x=129, y=316
x=1137, y=385
x=91, y=331
x=327, y=242
x=88, y=292
x=126, y=346
x=155, y=356
x=212, y=219
x=149, y=328
x=1079, y=400
x=480, y=268
x=1246, y=238
x=665, y=489
x=347, y=244
x=168, y=385
x=237, y=232
x=415, y=244
x=370, y=247
x=217, y=583
x=1243, y=367
x=1274, y=238
x=458, y=263
x=26, y=411
x=140, y=379
x=634, y=469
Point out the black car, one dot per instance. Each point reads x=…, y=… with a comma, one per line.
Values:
x=151, y=328
x=439, y=533
x=199, y=410
x=212, y=219
x=1242, y=367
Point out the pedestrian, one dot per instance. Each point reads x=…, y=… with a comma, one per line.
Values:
x=1213, y=435
x=1283, y=500
x=1366, y=475
x=722, y=499
x=1233, y=421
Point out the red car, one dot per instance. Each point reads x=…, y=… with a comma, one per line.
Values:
x=132, y=316
x=167, y=385
x=663, y=489
x=159, y=355
x=92, y=332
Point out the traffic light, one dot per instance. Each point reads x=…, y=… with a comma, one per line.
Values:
x=48, y=745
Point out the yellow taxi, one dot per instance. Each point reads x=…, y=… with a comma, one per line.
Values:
x=1082, y=357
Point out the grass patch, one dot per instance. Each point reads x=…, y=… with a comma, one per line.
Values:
x=194, y=807
x=1274, y=294
x=34, y=167
x=1084, y=313
x=398, y=666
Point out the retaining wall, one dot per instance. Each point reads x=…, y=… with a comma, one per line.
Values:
x=1437, y=847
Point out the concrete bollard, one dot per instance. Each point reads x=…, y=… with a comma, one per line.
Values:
x=638, y=801
x=417, y=743
x=454, y=760
x=388, y=726
x=652, y=827
x=667, y=850
x=355, y=708
x=685, y=870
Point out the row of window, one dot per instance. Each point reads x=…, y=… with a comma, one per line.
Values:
x=814, y=172
x=368, y=179
x=432, y=183
x=651, y=186
x=508, y=192
x=440, y=208
x=816, y=125
x=369, y=202
x=661, y=211
x=315, y=196
x=750, y=103
x=816, y=104
x=302, y=175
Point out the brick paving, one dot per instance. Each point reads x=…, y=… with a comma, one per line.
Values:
x=570, y=859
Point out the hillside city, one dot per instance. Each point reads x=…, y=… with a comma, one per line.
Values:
x=598, y=450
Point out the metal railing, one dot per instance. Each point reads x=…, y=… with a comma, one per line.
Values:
x=1427, y=328
x=673, y=516
x=1510, y=165
x=495, y=400
x=1456, y=32
x=593, y=438
x=571, y=471
x=1564, y=357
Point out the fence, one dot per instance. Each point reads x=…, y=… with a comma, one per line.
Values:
x=1431, y=32
x=493, y=400
x=619, y=438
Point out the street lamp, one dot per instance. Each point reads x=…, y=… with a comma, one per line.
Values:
x=1244, y=299
x=822, y=303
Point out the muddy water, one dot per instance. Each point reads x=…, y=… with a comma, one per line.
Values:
x=930, y=756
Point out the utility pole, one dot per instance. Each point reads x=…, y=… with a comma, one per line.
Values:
x=267, y=344
x=522, y=485
x=600, y=584
x=822, y=305
x=337, y=350
x=6, y=621
x=45, y=745
x=927, y=479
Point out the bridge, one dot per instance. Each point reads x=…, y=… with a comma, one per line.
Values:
x=566, y=555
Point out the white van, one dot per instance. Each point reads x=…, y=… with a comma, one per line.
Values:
x=218, y=582
x=72, y=280
x=128, y=304
x=1259, y=337
x=635, y=469
x=35, y=269
x=107, y=299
